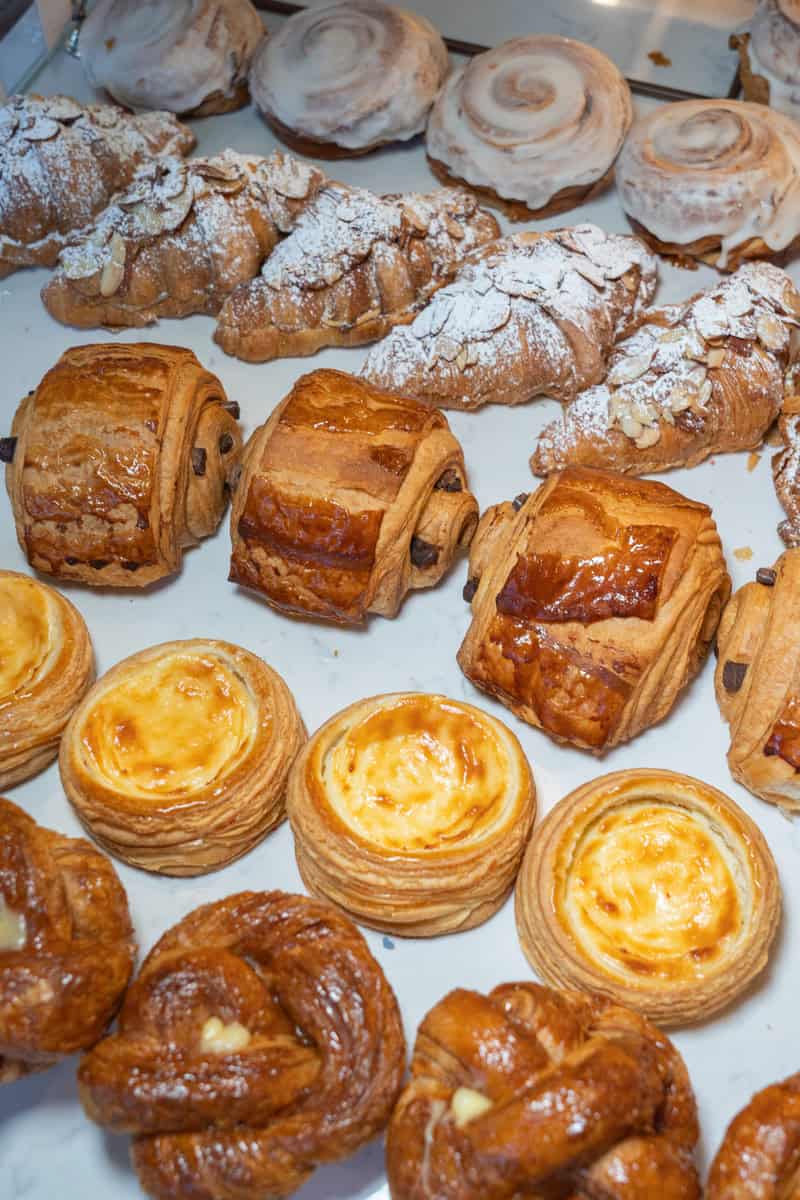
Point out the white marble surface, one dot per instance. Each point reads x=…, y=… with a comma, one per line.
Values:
x=48, y=1150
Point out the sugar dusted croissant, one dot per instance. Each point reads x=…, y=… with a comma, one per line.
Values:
x=348, y=498
x=120, y=459
x=695, y=379
x=60, y=164
x=594, y=603
x=759, y=1155
x=180, y=240
x=355, y=265
x=542, y=1093
x=259, y=1040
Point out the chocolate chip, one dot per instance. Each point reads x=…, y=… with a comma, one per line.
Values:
x=97, y=564
x=733, y=674
x=519, y=500
x=225, y=443
x=767, y=576
x=199, y=457
x=70, y=561
x=151, y=424
x=233, y=408
x=130, y=566
x=142, y=521
x=7, y=447
x=423, y=554
x=470, y=588
x=232, y=481
x=449, y=482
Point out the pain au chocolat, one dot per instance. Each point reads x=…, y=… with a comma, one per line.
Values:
x=176, y=761
x=594, y=602
x=411, y=813
x=348, y=498
x=653, y=889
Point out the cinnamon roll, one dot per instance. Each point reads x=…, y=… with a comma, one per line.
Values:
x=533, y=126
x=343, y=77
x=769, y=56
x=714, y=180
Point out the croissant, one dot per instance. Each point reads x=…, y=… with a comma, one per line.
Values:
x=529, y=314
x=355, y=265
x=695, y=379
x=60, y=164
x=120, y=460
x=759, y=1155
x=259, y=1040
x=348, y=498
x=543, y=1093
x=594, y=603
x=180, y=240
x=66, y=944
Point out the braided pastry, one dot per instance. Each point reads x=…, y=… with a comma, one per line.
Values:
x=355, y=265
x=533, y=126
x=695, y=379
x=759, y=1158
x=525, y=315
x=594, y=602
x=120, y=460
x=769, y=56
x=259, y=1040
x=66, y=944
x=348, y=498
x=60, y=164
x=542, y=1093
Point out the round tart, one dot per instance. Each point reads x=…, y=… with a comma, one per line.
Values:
x=653, y=889
x=46, y=665
x=411, y=813
x=177, y=759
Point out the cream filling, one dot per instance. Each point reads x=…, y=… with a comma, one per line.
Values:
x=12, y=928
x=30, y=635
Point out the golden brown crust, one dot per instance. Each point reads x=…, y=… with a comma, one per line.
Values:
x=707, y=250
x=63, y=976
x=786, y=466
x=564, y=200
x=652, y=889
x=759, y=1158
x=596, y=604
x=313, y=148
x=122, y=458
x=313, y=1076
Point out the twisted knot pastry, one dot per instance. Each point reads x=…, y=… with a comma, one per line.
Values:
x=355, y=265
x=180, y=240
x=545, y=1093
x=348, y=499
x=525, y=315
x=760, y=1155
x=121, y=459
x=769, y=56
x=695, y=379
x=259, y=1040
x=594, y=603
x=533, y=125
x=66, y=944
x=46, y=666
x=715, y=180
x=347, y=76
x=60, y=164
x=187, y=56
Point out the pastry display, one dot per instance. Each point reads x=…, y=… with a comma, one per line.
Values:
x=66, y=944
x=188, y=57
x=46, y=666
x=348, y=498
x=180, y=240
x=60, y=164
x=760, y=1154
x=786, y=464
x=769, y=56
x=411, y=813
x=713, y=180
x=346, y=76
x=259, y=1040
x=177, y=759
x=532, y=126
x=542, y=1093
x=526, y=315
x=355, y=265
x=653, y=889
x=119, y=460
x=698, y=378
x=594, y=602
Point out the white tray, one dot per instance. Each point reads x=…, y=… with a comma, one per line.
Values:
x=48, y=1150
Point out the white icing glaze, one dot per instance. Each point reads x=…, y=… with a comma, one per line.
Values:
x=713, y=168
x=170, y=54
x=531, y=117
x=355, y=73
x=775, y=52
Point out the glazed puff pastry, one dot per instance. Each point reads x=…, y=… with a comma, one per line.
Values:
x=594, y=603
x=653, y=889
x=177, y=759
x=411, y=813
x=348, y=498
x=120, y=460
x=46, y=666
x=760, y=1153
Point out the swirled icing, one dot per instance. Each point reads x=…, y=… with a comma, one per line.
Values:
x=531, y=117
x=775, y=52
x=355, y=72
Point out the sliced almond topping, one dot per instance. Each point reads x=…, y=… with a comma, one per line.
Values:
x=633, y=366
x=715, y=356
x=648, y=437
x=771, y=332
x=630, y=426
x=114, y=270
